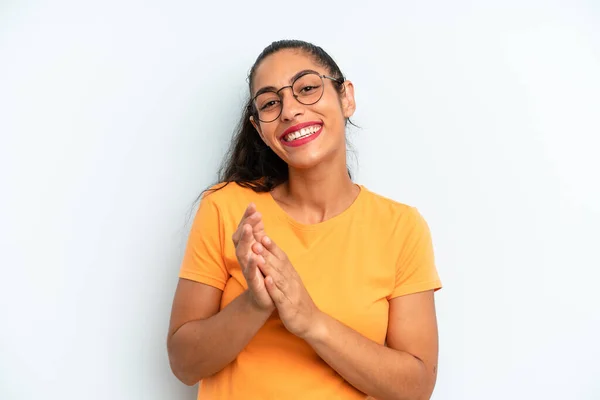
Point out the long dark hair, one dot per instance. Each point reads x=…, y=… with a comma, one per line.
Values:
x=249, y=162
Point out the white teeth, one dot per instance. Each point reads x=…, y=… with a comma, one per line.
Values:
x=302, y=133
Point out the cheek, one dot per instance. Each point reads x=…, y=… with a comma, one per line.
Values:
x=333, y=108
x=336, y=119
x=269, y=135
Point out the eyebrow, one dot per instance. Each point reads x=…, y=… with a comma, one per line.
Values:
x=292, y=79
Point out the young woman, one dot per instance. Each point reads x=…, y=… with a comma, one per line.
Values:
x=298, y=283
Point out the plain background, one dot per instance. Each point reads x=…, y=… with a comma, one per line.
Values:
x=114, y=115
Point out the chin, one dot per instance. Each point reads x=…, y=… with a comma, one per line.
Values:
x=307, y=161
x=303, y=164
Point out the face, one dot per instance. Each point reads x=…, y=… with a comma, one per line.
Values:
x=304, y=135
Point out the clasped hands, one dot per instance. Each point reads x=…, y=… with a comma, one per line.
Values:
x=272, y=280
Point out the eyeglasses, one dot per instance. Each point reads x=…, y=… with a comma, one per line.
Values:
x=307, y=89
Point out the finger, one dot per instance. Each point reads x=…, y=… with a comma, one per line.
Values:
x=248, y=265
x=268, y=269
x=257, y=248
x=276, y=294
x=246, y=238
x=273, y=248
x=251, y=209
x=269, y=257
x=259, y=229
x=265, y=267
x=260, y=261
x=252, y=220
x=250, y=272
x=270, y=260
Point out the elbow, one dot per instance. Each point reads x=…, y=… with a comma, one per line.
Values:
x=421, y=387
x=183, y=374
x=179, y=367
x=420, y=395
x=422, y=390
x=424, y=382
x=188, y=381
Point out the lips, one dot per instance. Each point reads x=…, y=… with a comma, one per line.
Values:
x=298, y=127
x=303, y=136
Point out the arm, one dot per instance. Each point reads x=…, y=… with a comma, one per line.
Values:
x=202, y=340
x=404, y=370
x=407, y=369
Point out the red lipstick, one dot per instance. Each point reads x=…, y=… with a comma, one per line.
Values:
x=297, y=127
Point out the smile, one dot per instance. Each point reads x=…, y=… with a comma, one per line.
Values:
x=302, y=133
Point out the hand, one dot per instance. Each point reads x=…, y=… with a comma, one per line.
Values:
x=251, y=226
x=296, y=308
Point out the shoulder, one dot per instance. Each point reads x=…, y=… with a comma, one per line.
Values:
x=379, y=207
x=229, y=199
x=383, y=204
x=226, y=192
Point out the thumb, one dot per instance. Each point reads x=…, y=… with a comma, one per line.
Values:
x=273, y=248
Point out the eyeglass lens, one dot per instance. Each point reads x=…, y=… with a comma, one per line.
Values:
x=307, y=89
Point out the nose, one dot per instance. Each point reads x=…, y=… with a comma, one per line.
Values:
x=291, y=108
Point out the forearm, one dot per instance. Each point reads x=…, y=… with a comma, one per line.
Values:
x=374, y=369
x=204, y=347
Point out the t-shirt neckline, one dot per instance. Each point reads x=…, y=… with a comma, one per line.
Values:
x=282, y=214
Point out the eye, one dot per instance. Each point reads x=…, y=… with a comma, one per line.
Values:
x=269, y=105
x=308, y=89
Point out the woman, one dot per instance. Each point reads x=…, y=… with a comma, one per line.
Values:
x=296, y=282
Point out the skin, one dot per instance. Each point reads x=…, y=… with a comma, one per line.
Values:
x=202, y=340
x=319, y=186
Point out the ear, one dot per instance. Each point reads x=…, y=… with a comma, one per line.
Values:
x=348, y=102
x=257, y=127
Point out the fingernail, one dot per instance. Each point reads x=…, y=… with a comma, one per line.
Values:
x=267, y=240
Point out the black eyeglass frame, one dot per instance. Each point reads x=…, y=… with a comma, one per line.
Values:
x=252, y=104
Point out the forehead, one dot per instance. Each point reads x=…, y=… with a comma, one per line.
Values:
x=277, y=69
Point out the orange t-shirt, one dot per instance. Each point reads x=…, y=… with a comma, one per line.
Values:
x=351, y=264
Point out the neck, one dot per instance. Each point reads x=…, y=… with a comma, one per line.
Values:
x=319, y=193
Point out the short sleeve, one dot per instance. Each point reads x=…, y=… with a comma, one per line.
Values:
x=203, y=259
x=415, y=268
